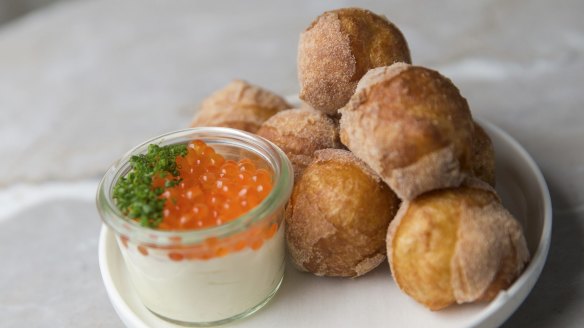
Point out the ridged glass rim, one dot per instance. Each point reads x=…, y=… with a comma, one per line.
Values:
x=270, y=153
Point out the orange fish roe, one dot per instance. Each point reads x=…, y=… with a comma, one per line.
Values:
x=213, y=191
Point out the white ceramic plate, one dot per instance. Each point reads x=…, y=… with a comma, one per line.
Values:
x=374, y=300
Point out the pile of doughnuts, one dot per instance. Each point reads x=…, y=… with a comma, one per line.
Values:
x=388, y=163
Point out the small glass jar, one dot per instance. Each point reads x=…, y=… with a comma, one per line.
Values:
x=208, y=276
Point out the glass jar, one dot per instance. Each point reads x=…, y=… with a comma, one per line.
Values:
x=208, y=276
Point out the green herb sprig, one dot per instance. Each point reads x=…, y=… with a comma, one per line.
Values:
x=134, y=193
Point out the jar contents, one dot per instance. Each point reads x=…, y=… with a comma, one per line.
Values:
x=183, y=188
x=186, y=187
x=212, y=190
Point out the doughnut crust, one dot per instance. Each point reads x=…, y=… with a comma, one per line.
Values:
x=455, y=245
x=299, y=133
x=483, y=162
x=412, y=127
x=240, y=105
x=338, y=48
x=337, y=216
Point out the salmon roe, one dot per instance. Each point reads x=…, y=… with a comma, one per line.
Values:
x=212, y=190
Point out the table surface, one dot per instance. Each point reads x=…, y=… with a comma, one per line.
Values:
x=81, y=82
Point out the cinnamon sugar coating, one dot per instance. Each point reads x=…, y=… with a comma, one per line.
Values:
x=299, y=133
x=338, y=48
x=455, y=245
x=240, y=105
x=412, y=127
x=338, y=215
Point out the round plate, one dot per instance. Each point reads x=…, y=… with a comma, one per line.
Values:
x=374, y=300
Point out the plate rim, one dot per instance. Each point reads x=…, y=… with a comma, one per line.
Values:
x=524, y=283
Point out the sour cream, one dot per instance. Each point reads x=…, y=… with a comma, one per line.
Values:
x=200, y=291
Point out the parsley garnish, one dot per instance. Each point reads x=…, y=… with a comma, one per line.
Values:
x=134, y=193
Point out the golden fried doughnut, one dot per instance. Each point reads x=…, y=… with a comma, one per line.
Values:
x=338, y=48
x=299, y=133
x=239, y=105
x=455, y=245
x=412, y=127
x=338, y=215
